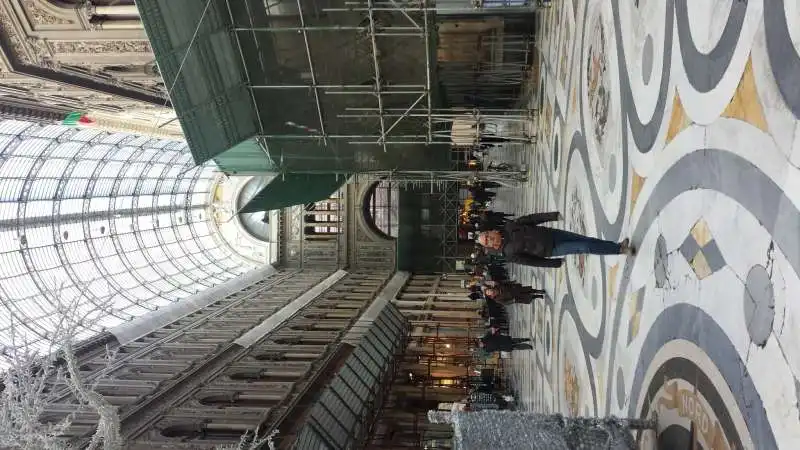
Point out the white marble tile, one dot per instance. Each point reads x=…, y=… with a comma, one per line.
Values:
x=743, y=240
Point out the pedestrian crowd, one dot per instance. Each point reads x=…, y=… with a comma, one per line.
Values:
x=526, y=240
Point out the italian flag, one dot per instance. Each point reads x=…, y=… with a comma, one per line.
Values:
x=77, y=119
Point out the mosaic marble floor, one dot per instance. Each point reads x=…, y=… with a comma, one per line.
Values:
x=674, y=122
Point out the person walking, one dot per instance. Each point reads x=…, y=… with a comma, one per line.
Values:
x=526, y=241
x=493, y=341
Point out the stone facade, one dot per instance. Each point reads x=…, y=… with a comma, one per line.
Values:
x=262, y=354
x=335, y=233
x=59, y=56
x=199, y=382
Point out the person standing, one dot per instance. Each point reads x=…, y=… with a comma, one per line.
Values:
x=526, y=241
x=508, y=292
x=493, y=341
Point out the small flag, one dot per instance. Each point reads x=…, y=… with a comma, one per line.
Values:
x=74, y=119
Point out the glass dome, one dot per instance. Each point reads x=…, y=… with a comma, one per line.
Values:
x=95, y=217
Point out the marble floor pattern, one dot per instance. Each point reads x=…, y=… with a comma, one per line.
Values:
x=673, y=122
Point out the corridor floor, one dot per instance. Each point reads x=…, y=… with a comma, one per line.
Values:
x=673, y=122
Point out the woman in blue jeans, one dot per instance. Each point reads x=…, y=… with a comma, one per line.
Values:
x=526, y=241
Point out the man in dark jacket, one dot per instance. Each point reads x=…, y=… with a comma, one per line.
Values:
x=525, y=241
x=509, y=292
x=493, y=341
x=491, y=220
x=493, y=311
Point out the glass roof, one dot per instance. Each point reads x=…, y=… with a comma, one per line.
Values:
x=94, y=216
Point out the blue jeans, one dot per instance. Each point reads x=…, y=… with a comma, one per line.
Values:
x=567, y=243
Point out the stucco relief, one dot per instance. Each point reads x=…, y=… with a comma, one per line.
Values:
x=9, y=29
x=23, y=51
x=40, y=16
x=40, y=51
x=361, y=235
x=127, y=46
x=296, y=223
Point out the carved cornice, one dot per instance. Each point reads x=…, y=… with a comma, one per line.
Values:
x=40, y=52
x=115, y=47
x=13, y=109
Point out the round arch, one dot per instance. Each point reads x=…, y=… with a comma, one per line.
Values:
x=380, y=209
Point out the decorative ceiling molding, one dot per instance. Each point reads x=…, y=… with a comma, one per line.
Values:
x=11, y=33
x=30, y=56
x=116, y=47
x=31, y=71
x=44, y=14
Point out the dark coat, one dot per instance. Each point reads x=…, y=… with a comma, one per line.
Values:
x=489, y=259
x=496, y=273
x=482, y=195
x=497, y=343
x=494, y=309
x=490, y=184
x=492, y=221
x=509, y=292
x=527, y=242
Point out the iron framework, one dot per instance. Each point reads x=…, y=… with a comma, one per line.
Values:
x=384, y=21
x=103, y=219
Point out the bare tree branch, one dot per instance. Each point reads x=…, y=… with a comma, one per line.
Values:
x=31, y=374
x=252, y=441
x=30, y=408
x=26, y=394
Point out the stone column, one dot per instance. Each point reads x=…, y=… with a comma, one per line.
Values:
x=115, y=10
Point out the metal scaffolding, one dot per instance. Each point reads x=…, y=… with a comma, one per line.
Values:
x=445, y=186
x=451, y=211
x=369, y=77
x=437, y=179
x=402, y=113
x=373, y=30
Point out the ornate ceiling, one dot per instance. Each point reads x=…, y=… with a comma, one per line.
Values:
x=81, y=57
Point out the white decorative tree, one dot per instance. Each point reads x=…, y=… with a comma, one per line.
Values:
x=33, y=379
x=253, y=441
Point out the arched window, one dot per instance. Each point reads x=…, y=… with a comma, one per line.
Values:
x=381, y=209
x=263, y=375
x=271, y=356
x=238, y=399
x=205, y=431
